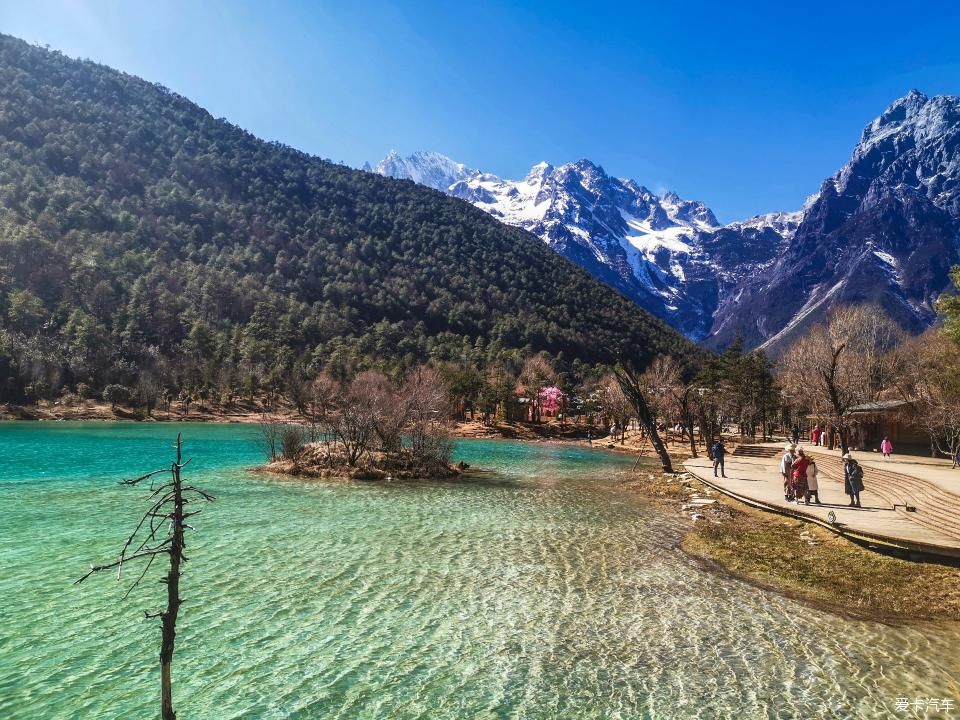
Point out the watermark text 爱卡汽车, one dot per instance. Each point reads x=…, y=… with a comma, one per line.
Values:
x=925, y=705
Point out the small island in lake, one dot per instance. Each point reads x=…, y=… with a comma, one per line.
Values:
x=316, y=460
x=368, y=429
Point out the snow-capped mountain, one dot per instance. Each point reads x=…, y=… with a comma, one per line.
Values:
x=666, y=253
x=885, y=229
x=425, y=168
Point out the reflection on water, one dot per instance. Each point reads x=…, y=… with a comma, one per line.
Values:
x=546, y=592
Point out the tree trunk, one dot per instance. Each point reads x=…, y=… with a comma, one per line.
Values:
x=632, y=389
x=658, y=445
x=169, y=617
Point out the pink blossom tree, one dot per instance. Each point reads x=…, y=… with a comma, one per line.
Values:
x=552, y=400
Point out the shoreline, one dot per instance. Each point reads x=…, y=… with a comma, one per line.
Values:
x=793, y=558
x=803, y=561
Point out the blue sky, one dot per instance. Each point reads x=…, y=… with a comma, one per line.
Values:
x=744, y=106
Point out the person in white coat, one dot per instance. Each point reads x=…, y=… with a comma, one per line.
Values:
x=813, y=489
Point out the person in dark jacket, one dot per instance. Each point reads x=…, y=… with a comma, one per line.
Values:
x=795, y=434
x=852, y=479
x=717, y=452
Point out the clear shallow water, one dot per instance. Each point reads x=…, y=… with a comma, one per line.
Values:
x=542, y=592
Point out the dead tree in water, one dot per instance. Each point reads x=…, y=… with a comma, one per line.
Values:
x=161, y=532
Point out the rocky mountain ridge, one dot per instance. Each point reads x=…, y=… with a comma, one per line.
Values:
x=668, y=254
x=885, y=228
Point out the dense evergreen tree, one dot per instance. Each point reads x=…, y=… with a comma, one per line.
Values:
x=138, y=234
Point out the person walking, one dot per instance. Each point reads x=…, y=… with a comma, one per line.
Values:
x=852, y=479
x=886, y=447
x=798, y=476
x=786, y=463
x=813, y=487
x=795, y=434
x=815, y=434
x=717, y=452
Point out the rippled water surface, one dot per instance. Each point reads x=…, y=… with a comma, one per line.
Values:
x=543, y=591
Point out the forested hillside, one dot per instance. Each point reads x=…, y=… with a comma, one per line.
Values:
x=139, y=235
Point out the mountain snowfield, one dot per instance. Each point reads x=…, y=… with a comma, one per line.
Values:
x=664, y=252
x=885, y=228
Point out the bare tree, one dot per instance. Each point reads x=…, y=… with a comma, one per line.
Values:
x=268, y=437
x=615, y=404
x=428, y=411
x=148, y=390
x=841, y=364
x=161, y=532
x=641, y=393
x=325, y=395
x=353, y=422
x=536, y=374
x=930, y=381
x=298, y=391
x=674, y=395
x=292, y=439
x=388, y=408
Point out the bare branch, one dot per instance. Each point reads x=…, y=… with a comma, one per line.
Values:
x=98, y=568
x=134, y=481
x=137, y=581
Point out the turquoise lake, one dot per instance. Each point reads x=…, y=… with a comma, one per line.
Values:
x=545, y=590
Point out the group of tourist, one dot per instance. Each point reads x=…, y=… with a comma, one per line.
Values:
x=799, y=473
x=800, y=477
x=828, y=437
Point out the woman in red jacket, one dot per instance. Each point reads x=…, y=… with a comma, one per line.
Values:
x=799, y=476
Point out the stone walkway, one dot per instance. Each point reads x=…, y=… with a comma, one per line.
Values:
x=753, y=476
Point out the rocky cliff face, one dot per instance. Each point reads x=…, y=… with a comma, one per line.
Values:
x=884, y=229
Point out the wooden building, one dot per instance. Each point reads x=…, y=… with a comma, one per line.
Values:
x=895, y=419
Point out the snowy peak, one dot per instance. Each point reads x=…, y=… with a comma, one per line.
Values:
x=784, y=223
x=538, y=172
x=900, y=112
x=691, y=212
x=665, y=252
x=425, y=168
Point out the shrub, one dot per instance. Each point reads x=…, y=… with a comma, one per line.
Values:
x=292, y=439
x=116, y=395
